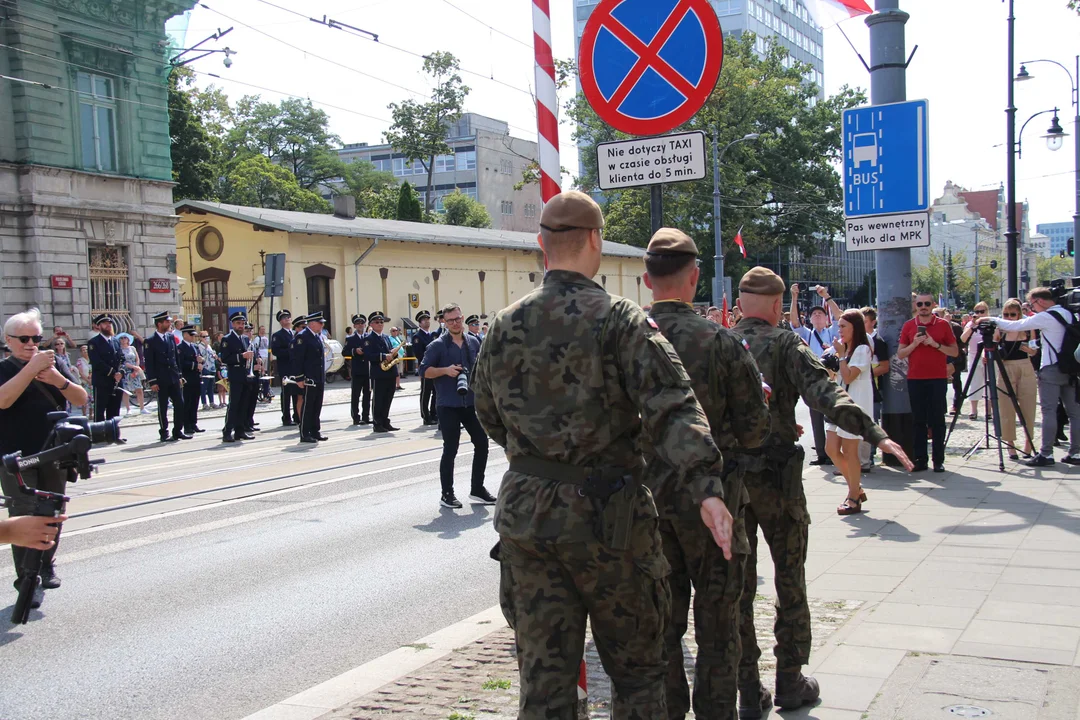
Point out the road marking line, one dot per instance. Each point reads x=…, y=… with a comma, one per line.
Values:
x=354, y=684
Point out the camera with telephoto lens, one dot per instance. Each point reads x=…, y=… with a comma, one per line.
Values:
x=463, y=382
x=831, y=361
x=66, y=449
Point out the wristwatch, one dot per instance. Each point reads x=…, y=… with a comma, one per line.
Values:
x=65, y=385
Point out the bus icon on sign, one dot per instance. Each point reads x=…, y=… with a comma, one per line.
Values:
x=864, y=149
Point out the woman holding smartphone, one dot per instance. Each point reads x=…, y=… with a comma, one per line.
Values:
x=856, y=357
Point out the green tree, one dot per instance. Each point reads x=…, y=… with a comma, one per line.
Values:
x=929, y=279
x=376, y=191
x=293, y=134
x=381, y=203
x=258, y=182
x=192, y=152
x=419, y=128
x=464, y=211
x=1053, y=268
x=782, y=189
x=408, y=206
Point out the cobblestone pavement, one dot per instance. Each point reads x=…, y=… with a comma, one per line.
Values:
x=480, y=681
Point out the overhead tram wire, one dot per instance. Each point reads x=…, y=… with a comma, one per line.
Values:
x=489, y=27
x=374, y=37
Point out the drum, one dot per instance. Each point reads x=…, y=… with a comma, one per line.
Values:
x=333, y=357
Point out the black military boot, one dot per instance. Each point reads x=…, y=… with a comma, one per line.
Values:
x=793, y=690
x=754, y=701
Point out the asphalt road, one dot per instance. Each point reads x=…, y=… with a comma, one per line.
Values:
x=195, y=590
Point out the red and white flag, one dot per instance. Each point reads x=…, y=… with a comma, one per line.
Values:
x=827, y=13
x=739, y=242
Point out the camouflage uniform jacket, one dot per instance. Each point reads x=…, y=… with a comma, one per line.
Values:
x=792, y=371
x=571, y=374
x=726, y=381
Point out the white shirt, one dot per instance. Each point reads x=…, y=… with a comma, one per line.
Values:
x=1053, y=332
x=861, y=389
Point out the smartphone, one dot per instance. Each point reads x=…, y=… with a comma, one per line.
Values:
x=921, y=330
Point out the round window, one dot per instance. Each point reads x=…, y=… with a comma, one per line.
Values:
x=209, y=243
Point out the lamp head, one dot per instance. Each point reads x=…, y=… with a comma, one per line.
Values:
x=1055, y=136
x=1023, y=74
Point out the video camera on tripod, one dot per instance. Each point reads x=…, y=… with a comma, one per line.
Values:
x=66, y=448
x=1067, y=297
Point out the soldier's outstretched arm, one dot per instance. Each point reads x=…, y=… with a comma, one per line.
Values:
x=487, y=412
x=822, y=394
x=747, y=410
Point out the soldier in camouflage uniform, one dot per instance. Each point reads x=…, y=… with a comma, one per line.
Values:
x=773, y=480
x=727, y=383
x=568, y=381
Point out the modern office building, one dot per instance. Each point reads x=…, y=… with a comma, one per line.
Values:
x=486, y=164
x=1059, y=234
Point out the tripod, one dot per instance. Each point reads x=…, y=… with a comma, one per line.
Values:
x=994, y=364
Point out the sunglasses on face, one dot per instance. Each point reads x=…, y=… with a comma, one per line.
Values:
x=1010, y=315
x=980, y=312
x=923, y=304
x=24, y=339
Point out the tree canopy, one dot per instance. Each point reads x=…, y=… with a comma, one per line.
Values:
x=783, y=189
x=462, y=210
x=191, y=146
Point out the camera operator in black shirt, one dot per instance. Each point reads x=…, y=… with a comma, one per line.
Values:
x=30, y=388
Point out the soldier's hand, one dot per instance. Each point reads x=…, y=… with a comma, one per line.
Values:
x=888, y=446
x=715, y=515
x=799, y=430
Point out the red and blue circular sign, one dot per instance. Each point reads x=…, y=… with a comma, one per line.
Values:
x=646, y=66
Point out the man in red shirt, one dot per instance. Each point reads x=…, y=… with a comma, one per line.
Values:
x=927, y=342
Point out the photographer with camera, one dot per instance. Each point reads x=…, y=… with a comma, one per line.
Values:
x=819, y=337
x=1057, y=371
x=450, y=361
x=30, y=388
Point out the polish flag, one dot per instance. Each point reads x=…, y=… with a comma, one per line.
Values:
x=827, y=13
x=739, y=242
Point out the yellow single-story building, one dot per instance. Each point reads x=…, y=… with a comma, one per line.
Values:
x=341, y=265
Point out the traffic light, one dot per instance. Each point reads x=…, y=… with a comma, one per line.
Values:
x=1070, y=248
x=993, y=264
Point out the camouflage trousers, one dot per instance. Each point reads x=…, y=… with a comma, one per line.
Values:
x=547, y=590
x=781, y=514
x=696, y=560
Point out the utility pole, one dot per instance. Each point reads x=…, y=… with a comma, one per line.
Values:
x=888, y=84
x=718, y=251
x=1011, y=233
x=976, y=264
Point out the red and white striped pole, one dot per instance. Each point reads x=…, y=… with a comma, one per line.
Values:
x=547, y=126
x=547, y=104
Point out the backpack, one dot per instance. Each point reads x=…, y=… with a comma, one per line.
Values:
x=1068, y=355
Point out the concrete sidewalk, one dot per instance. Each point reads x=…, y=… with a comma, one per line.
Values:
x=952, y=595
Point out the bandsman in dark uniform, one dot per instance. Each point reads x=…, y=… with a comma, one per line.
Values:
x=163, y=376
x=235, y=356
x=281, y=346
x=420, y=341
x=772, y=476
x=252, y=375
x=312, y=378
x=298, y=325
x=376, y=349
x=360, y=371
x=472, y=324
x=191, y=364
x=106, y=360
x=727, y=383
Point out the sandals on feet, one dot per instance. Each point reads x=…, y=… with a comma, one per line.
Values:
x=850, y=506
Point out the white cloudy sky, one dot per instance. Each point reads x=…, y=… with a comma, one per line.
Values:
x=960, y=67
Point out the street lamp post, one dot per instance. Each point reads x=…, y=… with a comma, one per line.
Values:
x=1011, y=233
x=718, y=253
x=1055, y=135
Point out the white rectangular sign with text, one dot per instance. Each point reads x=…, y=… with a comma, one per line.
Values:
x=651, y=161
x=888, y=232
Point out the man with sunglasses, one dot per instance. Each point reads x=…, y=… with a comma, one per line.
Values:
x=1055, y=385
x=30, y=388
x=927, y=342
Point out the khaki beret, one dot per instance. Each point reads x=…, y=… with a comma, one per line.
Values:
x=571, y=210
x=669, y=241
x=762, y=281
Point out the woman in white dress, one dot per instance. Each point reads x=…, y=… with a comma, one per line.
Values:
x=856, y=356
